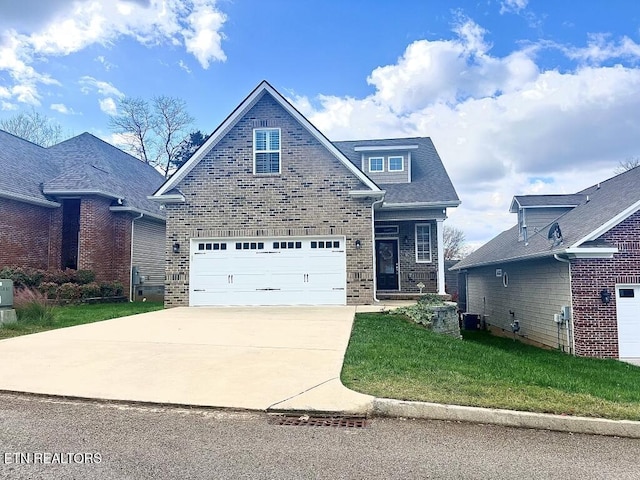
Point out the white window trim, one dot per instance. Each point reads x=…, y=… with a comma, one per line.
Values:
x=401, y=169
x=376, y=158
x=416, y=243
x=279, y=151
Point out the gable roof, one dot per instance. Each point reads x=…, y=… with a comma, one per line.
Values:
x=545, y=201
x=24, y=166
x=430, y=182
x=603, y=206
x=81, y=165
x=92, y=166
x=264, y=88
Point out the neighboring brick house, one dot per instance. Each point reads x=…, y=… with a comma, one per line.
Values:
x=81, y=204
x=270, y=212
x=578, y=251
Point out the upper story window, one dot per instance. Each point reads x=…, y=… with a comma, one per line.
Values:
x=376, y=164
x=423, y=243
x=266, y=150
x=396, y=164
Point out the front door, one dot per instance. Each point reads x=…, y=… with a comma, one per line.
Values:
x=387, y=264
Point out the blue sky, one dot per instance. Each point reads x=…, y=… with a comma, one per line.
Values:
x=519, y=96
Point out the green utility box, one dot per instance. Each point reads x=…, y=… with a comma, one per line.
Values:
x=6, y=293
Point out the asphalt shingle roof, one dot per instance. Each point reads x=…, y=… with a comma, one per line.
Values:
x=429, y=179
x=549, y=200
x=600, y=204
x=80, y=164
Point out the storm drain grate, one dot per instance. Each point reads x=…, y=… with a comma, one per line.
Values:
x=308, y=421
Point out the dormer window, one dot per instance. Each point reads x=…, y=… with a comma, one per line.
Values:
x=376, y=164
x=396, y=164
x=266, y=150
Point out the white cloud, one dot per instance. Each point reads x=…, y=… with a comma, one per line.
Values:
x=61, y=108
x=63, y=27
x=513, y=6
x=108, y=106
x=499, y=123
x=8, y=106
x=184, y=66
x=90, y=84
x=601, y=48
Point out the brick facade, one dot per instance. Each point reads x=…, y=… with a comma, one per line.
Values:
x=25, y=234
x=31, y=236
x=595, y=324
x=309, y=197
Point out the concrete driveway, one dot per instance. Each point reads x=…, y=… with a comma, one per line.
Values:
x=279, y=358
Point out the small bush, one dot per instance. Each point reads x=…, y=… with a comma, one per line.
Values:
x=111, y=289
x=90, y=290
x=60, y=276
x=22, y=277
x=84, y=277
x=32, y=307
x=49, y=290
x=69, y=291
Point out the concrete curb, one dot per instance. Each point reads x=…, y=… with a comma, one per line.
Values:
x=386, y=407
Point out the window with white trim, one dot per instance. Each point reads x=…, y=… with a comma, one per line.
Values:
x=266, y=150
x=423, y=243
x=396, y=164
x=376, y=164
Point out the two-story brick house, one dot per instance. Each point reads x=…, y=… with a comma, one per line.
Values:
x=270, y=212
x=567, y=275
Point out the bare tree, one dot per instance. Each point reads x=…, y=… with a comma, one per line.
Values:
x=134, y=123
x=33, y=126
x=171, y=124
x=152, y=131
x=628, y=164
x=454, y=239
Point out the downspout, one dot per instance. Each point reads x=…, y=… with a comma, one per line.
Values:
x=131, y=257
x=570, y=339
x=373, y=248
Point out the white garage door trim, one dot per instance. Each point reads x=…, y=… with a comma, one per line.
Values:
x=628, y=313
x=268, y=271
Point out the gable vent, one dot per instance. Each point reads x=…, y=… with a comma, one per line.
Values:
x=263, y=123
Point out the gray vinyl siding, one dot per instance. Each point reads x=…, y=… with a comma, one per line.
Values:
x=386, y=176
x=148, y=250
x=536, y=291
x=539, y=218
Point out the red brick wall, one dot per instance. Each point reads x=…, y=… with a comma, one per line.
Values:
x=24, y=234
x=105, y=241
x=595, y=324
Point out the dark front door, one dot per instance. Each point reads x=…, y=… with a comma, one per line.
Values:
x=387, y=264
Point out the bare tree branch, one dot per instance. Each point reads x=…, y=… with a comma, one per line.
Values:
x=134, y=123
x=34, y=127
x=170, y=127
x=454, y=239
x=628, y=164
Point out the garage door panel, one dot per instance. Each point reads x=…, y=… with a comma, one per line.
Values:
x=628, y=313
x=275, y=271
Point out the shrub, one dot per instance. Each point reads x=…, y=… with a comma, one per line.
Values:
x=49, y=290
x=32, y=307
x=111, y=289
x=84, y=277
x=22, y=277
x=90, y=290
x=60, y=276
x=69, y=291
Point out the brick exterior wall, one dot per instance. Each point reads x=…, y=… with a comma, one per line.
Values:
x=595, y=324
x=310, y=197
x=24, y=234
x=105, y=241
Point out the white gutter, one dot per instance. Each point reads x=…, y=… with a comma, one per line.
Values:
x=167, y=198
x=373, y=248
x=131, y=258
x=367, y=193
x=570, y=339
x=416, y=205
x=593, y=252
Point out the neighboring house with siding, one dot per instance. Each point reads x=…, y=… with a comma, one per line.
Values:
x=568, y=273
x=270, y=212
x=81, y=204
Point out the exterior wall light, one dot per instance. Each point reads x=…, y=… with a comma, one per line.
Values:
x=605, y=296
x=358, y=244
x=176, y=247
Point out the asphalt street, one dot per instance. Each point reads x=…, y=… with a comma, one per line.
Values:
x=58, y=439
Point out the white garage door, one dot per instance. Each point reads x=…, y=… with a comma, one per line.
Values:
x=628, y=307
x=274, y=271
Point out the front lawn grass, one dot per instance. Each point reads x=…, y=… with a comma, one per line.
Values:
x=70, y=315
x=389, y=356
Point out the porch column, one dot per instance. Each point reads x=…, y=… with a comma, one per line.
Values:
x=440, y=240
